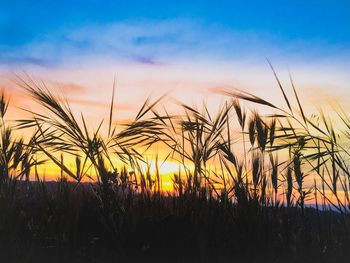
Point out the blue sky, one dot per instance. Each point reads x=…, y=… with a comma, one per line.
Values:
x=319, y=27
x=22, y=21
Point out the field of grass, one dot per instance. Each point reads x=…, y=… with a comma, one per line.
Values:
x=261, y=188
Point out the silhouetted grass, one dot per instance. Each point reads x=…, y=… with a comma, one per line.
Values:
x=253, y=188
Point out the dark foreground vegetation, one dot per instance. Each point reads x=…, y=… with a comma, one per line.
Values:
x=54, y=223
x=252, y=188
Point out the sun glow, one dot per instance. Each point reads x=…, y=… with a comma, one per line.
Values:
x=165, y=168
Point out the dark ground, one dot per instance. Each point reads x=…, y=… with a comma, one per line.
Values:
x=52, y=222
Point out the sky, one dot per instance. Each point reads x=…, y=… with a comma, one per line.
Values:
x=186, y=47
x=225, y=39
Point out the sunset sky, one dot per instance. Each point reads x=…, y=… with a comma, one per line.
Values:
x=77, y=47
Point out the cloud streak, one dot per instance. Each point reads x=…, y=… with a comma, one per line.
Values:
x=160, y=42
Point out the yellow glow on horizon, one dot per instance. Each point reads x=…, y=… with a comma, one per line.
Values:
x=51, y=172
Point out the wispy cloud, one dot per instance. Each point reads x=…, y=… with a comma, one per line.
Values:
x=158, y=42
x=100, y=104
x=68, y=88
